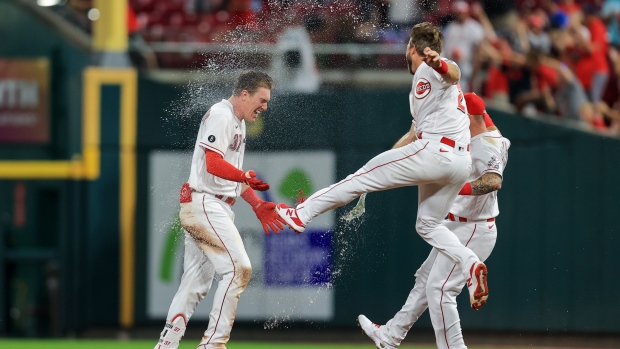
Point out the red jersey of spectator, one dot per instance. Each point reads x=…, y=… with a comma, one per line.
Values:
x=569, y=6
x=241, y=14
x=546, y=77
x=132, y=21
x=596, y=60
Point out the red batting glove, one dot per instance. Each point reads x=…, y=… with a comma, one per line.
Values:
x=250, y=179
x=266, y=213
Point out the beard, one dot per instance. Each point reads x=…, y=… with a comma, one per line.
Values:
x=410, y=65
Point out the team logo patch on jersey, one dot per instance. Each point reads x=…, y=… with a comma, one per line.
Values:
x=422, y=88
x=211, y=138
x=494, y=163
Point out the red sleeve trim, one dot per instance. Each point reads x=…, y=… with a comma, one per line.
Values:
x=492, y=171
x=217, y=166
x=211, y=148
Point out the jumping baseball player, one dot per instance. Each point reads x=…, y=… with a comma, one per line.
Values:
x=434, y=155
x=472, y=219
x=212, y=243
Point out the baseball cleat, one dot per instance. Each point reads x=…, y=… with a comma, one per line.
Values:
x=172, y=333
x=371, y=330
x=289, y=214
x=477, y=285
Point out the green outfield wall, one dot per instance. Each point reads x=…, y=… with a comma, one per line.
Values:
x=556, y=228
x=553, y=268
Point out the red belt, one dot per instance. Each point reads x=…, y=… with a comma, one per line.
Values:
x=445, y=140
x=453, y=218
x=227, y=199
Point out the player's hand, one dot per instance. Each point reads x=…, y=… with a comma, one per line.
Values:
x=268, y=217
x=432, y=58
x=250, y=179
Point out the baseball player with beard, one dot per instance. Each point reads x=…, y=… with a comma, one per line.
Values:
x=434, y=155
x=212, y=242
x=472, y=219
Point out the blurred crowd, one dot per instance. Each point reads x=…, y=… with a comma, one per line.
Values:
x=550, y=57
x=544, y=57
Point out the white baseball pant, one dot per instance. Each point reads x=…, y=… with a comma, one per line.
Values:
x=438, y=283
x=439, y=171
x=215, y=246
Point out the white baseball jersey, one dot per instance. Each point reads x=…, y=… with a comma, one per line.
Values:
x=222, y=132
x=439, y=280
x=489, y=153
x=213, y=244
x=438, y=107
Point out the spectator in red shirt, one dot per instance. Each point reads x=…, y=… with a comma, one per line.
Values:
x=592, y=69
x=569, y=6
x=558, y=91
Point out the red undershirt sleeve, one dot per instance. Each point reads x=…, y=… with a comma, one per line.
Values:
x=217, y=166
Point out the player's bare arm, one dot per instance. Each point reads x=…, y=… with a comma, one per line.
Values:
x=488, y=182
x=407, y=138
x=433, y=60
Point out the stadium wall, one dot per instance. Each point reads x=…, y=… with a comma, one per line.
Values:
x=556, y=227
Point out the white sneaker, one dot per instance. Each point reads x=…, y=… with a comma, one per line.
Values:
x=477, y=285
x=372, y=331
x=289, y=214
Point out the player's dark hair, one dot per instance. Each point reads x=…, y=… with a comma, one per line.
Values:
x=425, y=35
x=251, y=81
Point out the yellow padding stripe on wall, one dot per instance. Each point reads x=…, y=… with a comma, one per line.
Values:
x=87, y=165
x=127, y=79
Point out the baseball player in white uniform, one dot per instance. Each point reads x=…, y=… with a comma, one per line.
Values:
x=472, y=219
x=434, y=155
x=212, y=243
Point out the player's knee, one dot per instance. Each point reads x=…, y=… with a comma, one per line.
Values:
x=242, y=277
x=425, y=225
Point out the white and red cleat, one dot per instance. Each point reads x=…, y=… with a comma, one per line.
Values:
x=289, y=214
x=172, y=333
x=372, y=331
x=477, y=285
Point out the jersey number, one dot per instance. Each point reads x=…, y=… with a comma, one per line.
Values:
x=236, y=142
x=461, y=100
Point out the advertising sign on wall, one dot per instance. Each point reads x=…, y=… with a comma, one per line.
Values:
x=24, y=100
x=291, y=274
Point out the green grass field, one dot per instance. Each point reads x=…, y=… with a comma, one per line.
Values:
x=148, y=344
